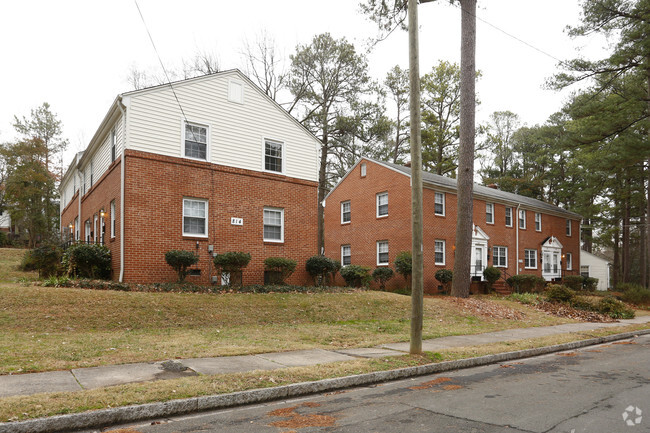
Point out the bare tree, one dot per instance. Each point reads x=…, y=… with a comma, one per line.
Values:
x=138, y=78
x=203, y=63
x=263, y=64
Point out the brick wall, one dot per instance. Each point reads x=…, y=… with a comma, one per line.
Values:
x=365, y=229
x=155, y=188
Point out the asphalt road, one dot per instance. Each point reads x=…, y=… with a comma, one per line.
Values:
x=596, y=389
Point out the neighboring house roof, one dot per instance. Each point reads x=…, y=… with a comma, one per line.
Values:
x=594, y=256
x=480, y=191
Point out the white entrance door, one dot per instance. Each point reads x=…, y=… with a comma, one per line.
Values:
x=551, y=263
x=479, y=260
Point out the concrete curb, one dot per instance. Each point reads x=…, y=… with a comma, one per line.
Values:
x=127, y=414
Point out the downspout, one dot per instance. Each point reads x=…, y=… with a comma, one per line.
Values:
x=78, y=229
x=516, y=222
x=122, y=177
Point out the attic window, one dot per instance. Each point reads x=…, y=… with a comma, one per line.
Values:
x=363, y=169
x=236, y=91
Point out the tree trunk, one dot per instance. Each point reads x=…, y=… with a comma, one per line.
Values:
x=647, y=227
x=626, y=233
x=417, y=267
x=617, y=257
x=642, y=254
x=461, y=281
x=322, y=187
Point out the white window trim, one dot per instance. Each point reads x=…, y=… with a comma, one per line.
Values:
x=377, y=204
x=77, y=229
x=489, y=213
x=284, y=154
x=535, y=261
x=444, y=203
x=195, y=235
x=382, y=263
x=342, y=247
x=277, y=209
x=511, y=216
x=208, y=139
x=569, y=261
x=588, y=269
x=87, y=230
x=538, y=215
x=113, y=219
x=95, y=234
x=240, y=83
x=342, y=203
x=444, y=252
x=519, y=219
x=568, y=226
x=363, y=169
x=506, y=256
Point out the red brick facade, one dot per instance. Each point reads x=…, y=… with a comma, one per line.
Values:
x=365, y=228
x=155, y=187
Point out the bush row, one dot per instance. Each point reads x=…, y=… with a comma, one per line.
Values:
x=557, y=293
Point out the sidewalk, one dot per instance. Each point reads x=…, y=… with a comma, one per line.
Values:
x=95, y=377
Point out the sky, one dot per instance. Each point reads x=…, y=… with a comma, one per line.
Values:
x=76, y=54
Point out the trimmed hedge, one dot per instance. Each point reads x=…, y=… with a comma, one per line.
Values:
x=614, y=308
x=322, y=269
x=281, y=266
x=382, y=275
x=355, y=275
x=88, y=261
x=180, y=261
x=559, y=293
x=525, y=283
x=573, y=282
x=404, y=264
x=491, y=275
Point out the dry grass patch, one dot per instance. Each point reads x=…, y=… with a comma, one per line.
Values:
x=10, y=258
x=40, y=405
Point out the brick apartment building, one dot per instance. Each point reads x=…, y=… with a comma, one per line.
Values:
x=368, y=222
x=230, y=171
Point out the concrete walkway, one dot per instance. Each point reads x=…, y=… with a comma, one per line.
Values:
x=95, y=377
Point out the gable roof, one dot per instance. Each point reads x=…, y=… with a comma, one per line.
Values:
x=480, y=191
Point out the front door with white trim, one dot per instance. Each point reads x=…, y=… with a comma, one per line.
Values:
x=479, y=252
x=551, y=259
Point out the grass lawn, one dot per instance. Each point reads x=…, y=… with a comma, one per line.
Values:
x=44, y=329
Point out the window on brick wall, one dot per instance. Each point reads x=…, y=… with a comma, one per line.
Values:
x=113, y=219
x=508, y=217
x=273, y=224
x=440, y=204
x=522, y=219
x=76, y=229
x=195, y=141
x=538, y=221
x=530, y=259
x=439, y=252
x=346, y=215
x=382, y=253
x=95, y=222
x=363, y=169
x=195, y=217
x=500, y=257
x=569, y=261
x=568, y=227
x=346, y=255
x=382, y=204
x=87, y=230
x=273, y=156
x=489, y=213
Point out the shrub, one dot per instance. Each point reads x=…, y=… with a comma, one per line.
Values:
x=624, y=287
x=590, y=284
x=573, y=282
x=614, y=308
x=444, y=276
x=232, y=262
x=355, y=275
x=320, y=268
x=525, y=298
x=525, y=283
x=4, y=239
x=559, y=293
x=491, y=275
x=637, y=295
x=88, y=261
x=54, y=281
x=404, y=264
x=283, y=268
x=382, y=275
x=180, y=261
x=46, y=260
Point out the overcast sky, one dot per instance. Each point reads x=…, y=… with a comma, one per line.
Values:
x=76, y=54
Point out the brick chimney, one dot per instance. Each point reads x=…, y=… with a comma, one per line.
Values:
x=493, y=186
x=408, y=164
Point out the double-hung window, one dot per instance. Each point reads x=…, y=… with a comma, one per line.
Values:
x=508, y=217
x=489, y=213
x=273, y=224
x=440, y=204
x=346, y=215
x=500, y=257
x=346, y=255
x=196, y=141
x=76, y=229
x=363, y=169
x=113, y=219
x=87, y=231
x=273, y=156
x=522, y=219
x=538, y=221
x=382, y=204
x=530, y=259
x=382, y=253
x=569, y=261
x=439, y=252
x=568, y=227
x=195, y=217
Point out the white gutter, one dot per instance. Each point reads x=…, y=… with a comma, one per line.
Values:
x=122, y=177
x=79, y=204
x=516, y=221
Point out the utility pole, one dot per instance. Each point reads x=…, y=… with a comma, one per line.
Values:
x=417, y=283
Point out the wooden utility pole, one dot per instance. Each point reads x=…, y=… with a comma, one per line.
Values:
x=417, y=283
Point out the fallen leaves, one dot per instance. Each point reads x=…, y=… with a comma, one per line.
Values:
x=431, y=383
x=485, y=308
x=297, y=420
x=572, y=313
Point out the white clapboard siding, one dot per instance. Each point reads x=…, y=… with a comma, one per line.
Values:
x=155, y=124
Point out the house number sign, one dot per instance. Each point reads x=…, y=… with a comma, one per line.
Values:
x=237, y=221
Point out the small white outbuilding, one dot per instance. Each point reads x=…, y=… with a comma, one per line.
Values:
x=595, y=267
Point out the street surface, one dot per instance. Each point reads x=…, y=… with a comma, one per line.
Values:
x=596, y=389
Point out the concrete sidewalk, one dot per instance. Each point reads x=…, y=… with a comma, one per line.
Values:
x=96, y=377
